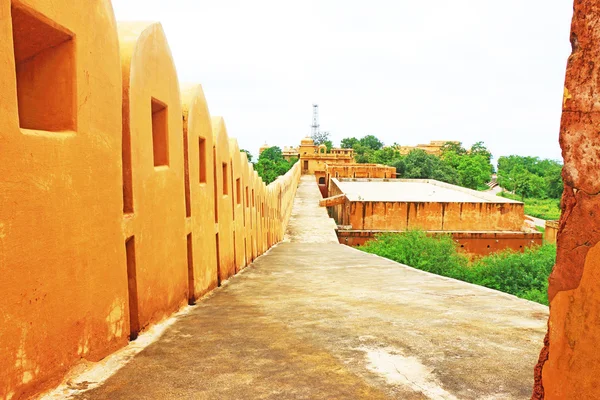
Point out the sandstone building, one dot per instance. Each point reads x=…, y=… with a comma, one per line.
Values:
x=479, y=222
x=434, y=147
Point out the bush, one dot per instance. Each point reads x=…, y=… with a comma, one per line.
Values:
x=436, y=254
x=521, y=274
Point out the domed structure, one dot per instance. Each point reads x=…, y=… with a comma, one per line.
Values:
x=263, y=148
x=307, y=141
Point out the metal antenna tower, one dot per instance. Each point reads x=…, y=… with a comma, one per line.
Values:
x=315, y=125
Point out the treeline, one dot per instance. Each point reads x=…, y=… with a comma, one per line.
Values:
x=271, y=164
x=457, y=165
x=530, y=177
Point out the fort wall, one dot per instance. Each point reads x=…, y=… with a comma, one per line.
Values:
x=122, y=197
x=569, y=363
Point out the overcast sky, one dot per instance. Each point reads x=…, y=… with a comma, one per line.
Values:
x=406, y=71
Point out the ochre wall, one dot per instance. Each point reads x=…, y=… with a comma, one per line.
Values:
x=155, y=220
x=431, y=216
x=224, y=221
x=434, y=216
x=351, y=171
x=476, y=243
x=200, y=206
x=107, y=223
x=62, y=253
x=569, y=364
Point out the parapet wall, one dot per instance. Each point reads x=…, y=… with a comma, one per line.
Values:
x=122, y=198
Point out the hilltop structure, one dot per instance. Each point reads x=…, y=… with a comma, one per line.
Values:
x=434, y=147
x=314, y=157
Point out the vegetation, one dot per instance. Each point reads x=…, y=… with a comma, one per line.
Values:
x=271, y=164
x=320, y=138
x=548, y=209
x=530, y=177
x=522, y=274
x=469, y=168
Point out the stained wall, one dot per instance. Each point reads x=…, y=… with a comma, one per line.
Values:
x=113, y=190
x=569, y=363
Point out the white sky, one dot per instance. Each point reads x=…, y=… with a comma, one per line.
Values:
x=406, y=71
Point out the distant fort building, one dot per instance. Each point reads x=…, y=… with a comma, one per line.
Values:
x=314, y=157
x=434, y=147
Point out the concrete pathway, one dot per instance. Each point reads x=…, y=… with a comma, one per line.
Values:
x=313, y=319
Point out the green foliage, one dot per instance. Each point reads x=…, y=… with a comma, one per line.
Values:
x=548, y=209
x=371, y=142
x=349, y=143
x=432, y=254
x=247, y=154
x=530, y=177
x=472, y=169
x=271, y=164
x=323, y=138
x=522, y=274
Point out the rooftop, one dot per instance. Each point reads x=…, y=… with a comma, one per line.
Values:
x=412, y=191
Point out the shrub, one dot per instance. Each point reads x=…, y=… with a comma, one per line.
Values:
x=521, y=274
x=436, y=254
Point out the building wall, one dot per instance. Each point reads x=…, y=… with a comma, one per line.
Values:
x=475, y=243
x=351, y=171
x=200, y=191
x=430, y=216
x=569, y=363
x=62, y=248
x=435, y=216
x=109, y=197
x=311, y=163
x=154, y=220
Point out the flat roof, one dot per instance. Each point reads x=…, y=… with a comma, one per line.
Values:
x=413, y=191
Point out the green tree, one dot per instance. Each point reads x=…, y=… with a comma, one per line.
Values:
x=323, y=138
x=474, y=171
x=349, y=143
x=371, y=142
x=530, y=176
x=271, y=164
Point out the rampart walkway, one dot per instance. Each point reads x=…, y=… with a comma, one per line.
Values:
x=313, y=319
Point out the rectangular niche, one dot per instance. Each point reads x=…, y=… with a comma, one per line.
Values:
x=225, y=188
x=160, y=133
x=45, y=71
x=202, y=159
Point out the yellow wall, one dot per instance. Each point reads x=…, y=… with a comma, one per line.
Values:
x=109, y=196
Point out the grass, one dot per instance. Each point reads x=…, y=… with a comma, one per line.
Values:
x=548, y=209
x=522, y=274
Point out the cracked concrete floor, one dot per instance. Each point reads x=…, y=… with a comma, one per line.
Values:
x=318, y=320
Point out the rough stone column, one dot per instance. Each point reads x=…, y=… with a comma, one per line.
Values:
x=569, y=363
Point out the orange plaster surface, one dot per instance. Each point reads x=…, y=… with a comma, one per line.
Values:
x=64, y=285
x=110, y=199
x=237, y=199
x=225, y=223
x=157, y=221
x=198, y=130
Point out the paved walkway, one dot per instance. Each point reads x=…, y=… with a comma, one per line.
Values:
x=313, y=319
